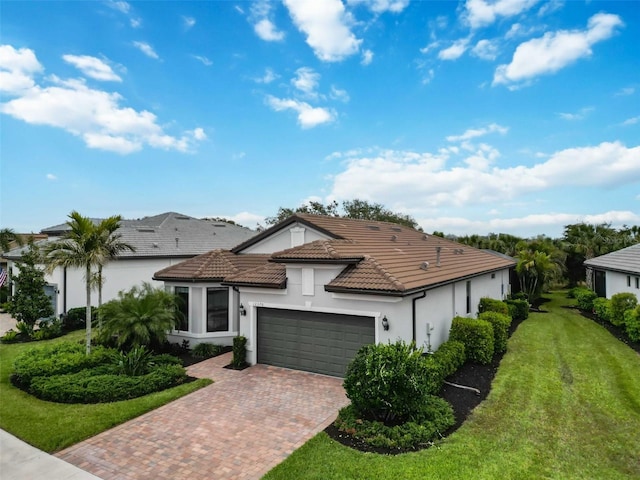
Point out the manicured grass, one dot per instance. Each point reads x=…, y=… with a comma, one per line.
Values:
x=53, y=426
x=565, y=404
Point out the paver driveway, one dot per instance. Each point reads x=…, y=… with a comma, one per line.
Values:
x=238, y=428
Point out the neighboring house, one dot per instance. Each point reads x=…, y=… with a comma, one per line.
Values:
x=159, y=241
x=310, y=291
x=615, y=272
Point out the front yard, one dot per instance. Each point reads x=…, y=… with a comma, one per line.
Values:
x=564, y=404
x=53, y=426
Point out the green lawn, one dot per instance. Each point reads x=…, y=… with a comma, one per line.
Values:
x=565, y=404
x=54, y=426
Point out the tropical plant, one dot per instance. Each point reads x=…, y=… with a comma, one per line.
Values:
x=30, y=302
x=7, y=237
x=140, y=316
x=87, y=246
x=534, y=269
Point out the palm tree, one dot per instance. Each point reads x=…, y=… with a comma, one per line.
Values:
x=7, y=235
x=534, y=268
x=141, y=316
x=86, y=246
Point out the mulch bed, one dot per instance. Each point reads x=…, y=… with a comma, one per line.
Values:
x=463, y=401
x=188, y=359
x=617, y=332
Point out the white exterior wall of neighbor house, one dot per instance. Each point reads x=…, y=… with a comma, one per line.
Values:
x=197, y=332
x=616, y=282
x=118, y=274
x=438, y=307
x=292, y=236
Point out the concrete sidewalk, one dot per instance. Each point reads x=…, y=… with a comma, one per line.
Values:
x=7, y=322
x=21, y=461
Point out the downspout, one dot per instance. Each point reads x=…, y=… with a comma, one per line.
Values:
x=413, y=312
x=64, y=289
x=237, y=315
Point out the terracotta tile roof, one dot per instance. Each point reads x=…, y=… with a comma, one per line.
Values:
x=214, y=265
x=379, y=257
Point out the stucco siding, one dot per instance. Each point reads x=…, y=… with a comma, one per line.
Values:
x=616, y=282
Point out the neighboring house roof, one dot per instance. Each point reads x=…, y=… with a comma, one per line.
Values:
x=379, y=257
x=626, y=260
x=166, y=235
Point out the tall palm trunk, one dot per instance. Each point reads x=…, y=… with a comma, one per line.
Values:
x=88, y=311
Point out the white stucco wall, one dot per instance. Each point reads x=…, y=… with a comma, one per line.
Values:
x=616, y=282
x=293, y=235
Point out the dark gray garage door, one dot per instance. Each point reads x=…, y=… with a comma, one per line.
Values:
x=311, y=341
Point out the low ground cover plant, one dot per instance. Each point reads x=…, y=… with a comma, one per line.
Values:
x=206, y=350
x=64, y=373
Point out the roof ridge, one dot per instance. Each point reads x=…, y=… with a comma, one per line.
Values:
x=218, y=253
x=380, y=269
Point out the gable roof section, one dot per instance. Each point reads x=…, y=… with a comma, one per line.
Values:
x=626, y=260
x=211, y=266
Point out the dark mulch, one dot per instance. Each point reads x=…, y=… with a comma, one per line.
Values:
x=463, y=401
x=187, y=358
x=617, y=332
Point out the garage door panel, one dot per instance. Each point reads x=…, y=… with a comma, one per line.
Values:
x=312, y=341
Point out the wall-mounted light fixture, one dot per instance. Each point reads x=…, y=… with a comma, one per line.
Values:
x=385, y=323
x=242, y=310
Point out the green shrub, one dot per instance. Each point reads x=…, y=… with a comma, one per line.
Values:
x=206, y=350
x=429, y=424
x=492, y=305
x=135, y=362
x=602, y=308
x=632, y=323
x=76, y=318
x=477, y=337
x=165, y=359
x=518, y=309
x=450, y=356
x=620, y=303
x=389, y=382
x=585, y=298
x=98, y=385
x=58, y=359
x=9, y=336
x=25, y=329
x=50, y=328
x=239, y=352
x=519, y=296
x=500, y=324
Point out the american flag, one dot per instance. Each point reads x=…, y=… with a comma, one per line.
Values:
x=3, y=276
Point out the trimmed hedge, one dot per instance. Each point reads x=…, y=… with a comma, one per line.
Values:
x=492, y=305
x=585, y=298
x=518, y=309
x=632, y=323
x=98, y=385
x=620, y=303
x=477, y=337
x=450, y=356
x=602, y=308
x=500, y=324
x=76, y=318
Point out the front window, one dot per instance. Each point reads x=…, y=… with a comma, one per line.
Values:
x=468, y=297
x=217, y=309
x=183, y=307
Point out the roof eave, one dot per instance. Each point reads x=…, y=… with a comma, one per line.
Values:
x=162, y=278
x=339, y=261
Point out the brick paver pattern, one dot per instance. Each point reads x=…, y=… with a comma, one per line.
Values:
x=239, y=427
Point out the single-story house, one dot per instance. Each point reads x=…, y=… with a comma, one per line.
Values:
x=159, y=241
x=615, y=272
x=308, y=292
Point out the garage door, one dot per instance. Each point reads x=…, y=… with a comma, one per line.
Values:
x=311, y=341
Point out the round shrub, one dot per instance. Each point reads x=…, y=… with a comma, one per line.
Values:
x=602, y=308
x=585, y=298
x=389, y=382
x=492, y=305
x=632, y=323
x=101, y=384
x=620, y=303
x=450, y=356
x=500, y=324
x=477, y=337
x=518, y=309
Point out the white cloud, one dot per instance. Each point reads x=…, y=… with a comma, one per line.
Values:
x=480, y=13
x=455, y=51
x=306, y=80
x=188, y=22
x=478, y=132
x=94, y=115
x=246, y=219
x=204, y=60
x=579, y=115
x=308, y=116
x=267, y=31
x=381, y=6
x=423, y=181
x=485, y=49
x=339, y=94
x=52, y=177
x=555, y=50
x=631, y=121
x=367, y=57
x=326, y=25
x=268, y=77
x=625, y=91
x=92, y=67
x=122, y=7
x=146, y=49
x=550, y=7
x=17, y=68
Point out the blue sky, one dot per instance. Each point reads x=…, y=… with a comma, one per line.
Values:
x=515, y=116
